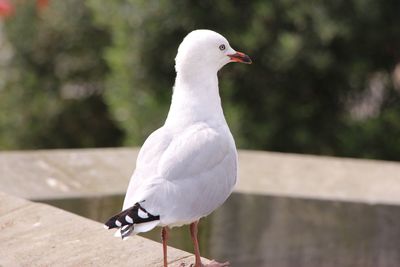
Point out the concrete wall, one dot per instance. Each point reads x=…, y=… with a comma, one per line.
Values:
x=33, y=234
x=310, y=211
x=68, y=173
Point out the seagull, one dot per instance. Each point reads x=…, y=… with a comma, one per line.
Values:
x=187, y=168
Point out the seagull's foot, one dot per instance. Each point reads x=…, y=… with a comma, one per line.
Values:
x=212, y=263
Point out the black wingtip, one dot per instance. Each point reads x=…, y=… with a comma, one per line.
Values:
x=111, y=223
x=126, y=219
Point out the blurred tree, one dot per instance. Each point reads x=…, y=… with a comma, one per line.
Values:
x=313, y=63
x=323, y=79
x=52, y=78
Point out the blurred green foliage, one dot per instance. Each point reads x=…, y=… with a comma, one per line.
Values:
x=321, y=81
x=52, y=55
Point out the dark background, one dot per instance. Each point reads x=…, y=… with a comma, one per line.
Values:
x=325, y=78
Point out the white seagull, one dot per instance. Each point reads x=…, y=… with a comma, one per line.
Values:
x=188, y=167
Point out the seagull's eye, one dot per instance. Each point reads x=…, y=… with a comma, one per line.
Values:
x=222, y=47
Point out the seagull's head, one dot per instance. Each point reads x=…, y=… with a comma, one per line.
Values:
x=206, y=50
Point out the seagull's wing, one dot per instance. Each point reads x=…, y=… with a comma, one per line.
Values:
x=147, y=162
x=134, y=218
x=180, y=177
x=194, y=175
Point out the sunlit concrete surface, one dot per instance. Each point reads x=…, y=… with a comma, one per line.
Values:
x=33, y=234
x=319, y=177
x=53, y=174
x=50, y=174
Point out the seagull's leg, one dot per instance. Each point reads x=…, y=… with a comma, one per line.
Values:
x=193, y=234
x=164, y=236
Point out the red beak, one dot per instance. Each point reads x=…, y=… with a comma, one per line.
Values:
x=240, y=57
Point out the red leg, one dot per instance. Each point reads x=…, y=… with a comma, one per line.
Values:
x=164, y=236
x=193, y=234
